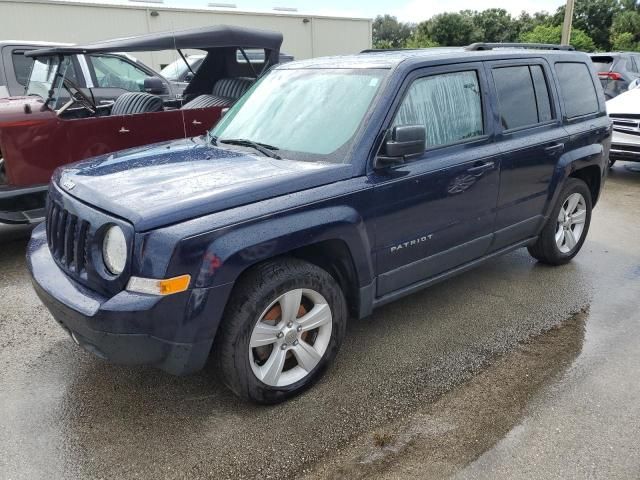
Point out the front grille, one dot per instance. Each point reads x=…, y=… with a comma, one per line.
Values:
x=68, y=238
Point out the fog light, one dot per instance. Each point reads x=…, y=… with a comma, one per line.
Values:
x=154, y=286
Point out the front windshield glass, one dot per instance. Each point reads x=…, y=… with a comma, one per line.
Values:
x=306, y=114
x=43, y=81
x=42, y=75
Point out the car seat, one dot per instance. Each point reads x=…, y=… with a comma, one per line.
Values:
x=136, y=102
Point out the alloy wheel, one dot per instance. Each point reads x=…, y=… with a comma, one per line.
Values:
x=290, y=337
x=571, y=220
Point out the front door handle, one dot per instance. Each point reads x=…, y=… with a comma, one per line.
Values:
x=555, y=149
x=123, y=130
x=196, y=122
x=483, y=167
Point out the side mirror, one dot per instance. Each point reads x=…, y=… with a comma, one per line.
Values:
x=633, y=85
x=402, y=141
x=154, y=86
x=188, y=77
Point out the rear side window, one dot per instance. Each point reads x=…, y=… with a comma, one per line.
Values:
x=21, y=66
x=448, y=105
x=523, y=96
x=577, y=89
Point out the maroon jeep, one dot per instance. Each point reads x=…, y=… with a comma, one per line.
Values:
x=60, y=121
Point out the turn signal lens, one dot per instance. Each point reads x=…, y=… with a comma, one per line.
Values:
x=154, y=286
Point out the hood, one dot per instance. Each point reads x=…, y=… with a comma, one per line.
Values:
x=174, y=181
x=627, y=103
x=20, y=109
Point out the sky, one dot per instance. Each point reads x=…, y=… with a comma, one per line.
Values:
x=405, y=10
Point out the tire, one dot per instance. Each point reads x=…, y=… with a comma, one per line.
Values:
x=611, y=163
x=547, y=249
x=261, y=296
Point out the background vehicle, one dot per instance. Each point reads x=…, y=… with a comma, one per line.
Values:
x=60, y=121
x=624, y=111
x=107, y=75
x=616, y=71
x=256, y=242
x=180, y=74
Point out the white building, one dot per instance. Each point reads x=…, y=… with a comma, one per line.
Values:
x=305, y=36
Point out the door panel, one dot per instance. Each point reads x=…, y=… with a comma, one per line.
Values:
x=532, y=141
x=435, y=213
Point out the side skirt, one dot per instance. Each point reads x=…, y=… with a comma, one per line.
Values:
x=395, y=295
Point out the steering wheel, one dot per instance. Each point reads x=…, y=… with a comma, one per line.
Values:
x=79, y=96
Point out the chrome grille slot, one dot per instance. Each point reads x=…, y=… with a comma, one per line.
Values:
x=68, y=238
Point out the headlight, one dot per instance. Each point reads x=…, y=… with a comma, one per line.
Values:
x=114, y=250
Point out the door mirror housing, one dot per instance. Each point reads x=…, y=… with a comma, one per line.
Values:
x=188, y=77
x=154, y=85
x=401, y=142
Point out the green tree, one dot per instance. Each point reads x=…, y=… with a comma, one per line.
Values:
x=388, y=32
x=595, y=17
x=419, y=40
x=496, y=25
x=625, y=31
x=625, y=42
x=450, y=29
x=526, y=22
x=553, y=34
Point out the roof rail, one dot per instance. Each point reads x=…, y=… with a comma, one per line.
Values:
x=382, y=50
x=541, y=46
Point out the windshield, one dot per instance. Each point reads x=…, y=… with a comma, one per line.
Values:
x=42, y=75
x=177, y=69
x=305, y=114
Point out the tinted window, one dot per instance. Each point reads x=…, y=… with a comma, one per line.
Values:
x=577, y=89
x=516, y=97
x=448, y=105
x=603, y=63
x=542, y=93
x=21, y=66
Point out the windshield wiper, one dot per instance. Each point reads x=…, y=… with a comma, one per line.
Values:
x=267, y=150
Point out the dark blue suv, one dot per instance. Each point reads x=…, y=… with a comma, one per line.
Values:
x=333, y=186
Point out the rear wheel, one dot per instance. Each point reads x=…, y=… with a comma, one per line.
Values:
x=282, y=328
x=566, y=229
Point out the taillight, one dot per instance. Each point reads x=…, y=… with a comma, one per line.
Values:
x=610, y=75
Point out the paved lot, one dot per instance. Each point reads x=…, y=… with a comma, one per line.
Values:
x=437, y=383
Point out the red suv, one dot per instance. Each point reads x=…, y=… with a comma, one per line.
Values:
x=60, y=121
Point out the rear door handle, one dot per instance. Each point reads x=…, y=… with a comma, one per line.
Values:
x=555, y=149
x=483, y=167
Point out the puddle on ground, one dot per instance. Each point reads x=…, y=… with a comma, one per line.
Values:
x=457, y=428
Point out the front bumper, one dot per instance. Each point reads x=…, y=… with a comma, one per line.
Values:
x=96, y=322
x=625, y=146
x=22, y=205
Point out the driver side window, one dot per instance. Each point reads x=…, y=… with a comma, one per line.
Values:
x=448, y=105
x=115, y=72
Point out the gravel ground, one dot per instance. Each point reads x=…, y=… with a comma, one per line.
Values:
x=67, y=414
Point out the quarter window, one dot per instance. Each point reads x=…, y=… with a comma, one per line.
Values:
x=448, y=105
x=577, y=88
x=523, y=96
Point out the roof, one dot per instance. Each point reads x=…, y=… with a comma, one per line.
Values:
x=393, y=58
x=204, y=38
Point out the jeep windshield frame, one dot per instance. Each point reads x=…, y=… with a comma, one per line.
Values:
x=47, y=78
x=305, y=114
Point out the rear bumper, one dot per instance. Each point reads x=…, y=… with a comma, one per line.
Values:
x=22, y=205
x=78, y=310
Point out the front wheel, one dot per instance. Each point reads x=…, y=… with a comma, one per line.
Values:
x=611, y=163
x=566, y=229
x=282, y=328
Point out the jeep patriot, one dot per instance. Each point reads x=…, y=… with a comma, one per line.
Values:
x=333, y=186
